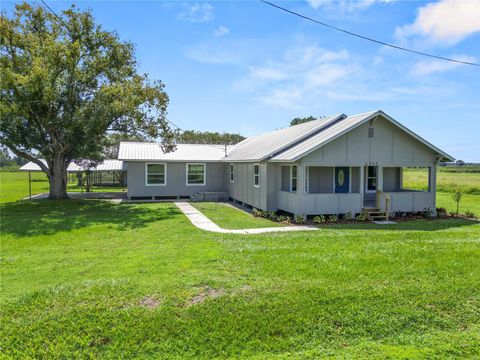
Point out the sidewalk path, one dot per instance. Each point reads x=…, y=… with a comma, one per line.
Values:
x=204, y=223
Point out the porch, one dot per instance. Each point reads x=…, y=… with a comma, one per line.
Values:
x=313, y=189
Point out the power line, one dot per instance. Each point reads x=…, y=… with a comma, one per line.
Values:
x=64, y=23
x=55, y=14
x=366, y=37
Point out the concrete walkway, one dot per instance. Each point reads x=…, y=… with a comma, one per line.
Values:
x=204, y=223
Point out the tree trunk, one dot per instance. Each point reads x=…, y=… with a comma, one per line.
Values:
x=58, y=179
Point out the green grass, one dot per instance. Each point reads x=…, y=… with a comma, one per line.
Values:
x=14, y=185
x=447, y=181
x=229, y=217
x=468, y=202
x=95, y=279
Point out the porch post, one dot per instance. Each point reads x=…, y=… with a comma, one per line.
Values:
x=432, y=185
x=300, y=186
x=362, y=185
x=379, y=186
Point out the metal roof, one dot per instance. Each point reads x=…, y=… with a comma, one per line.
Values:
x=263, y=146
x=139, y=151
x=80, y=165
x=339, y=128
x=321, y=138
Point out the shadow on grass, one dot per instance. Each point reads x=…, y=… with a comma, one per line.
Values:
x=414, y=225
x=46, y=217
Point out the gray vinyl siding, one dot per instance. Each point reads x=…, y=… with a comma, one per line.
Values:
x=242, y=188
x=176, y=180
x=390, y=146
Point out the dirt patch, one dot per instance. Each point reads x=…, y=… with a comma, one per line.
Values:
x=149, y=302
x=206, y=293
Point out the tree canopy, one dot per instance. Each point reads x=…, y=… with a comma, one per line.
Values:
x=64, y=83
x=298, y=120
x=207, y=137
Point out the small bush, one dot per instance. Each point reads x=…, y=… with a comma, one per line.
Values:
x=272, y=215
x=470, y=214
x=299, y=219
x=283, y=218
x=333, y=218
x=453, y=213
x=320, y=219
x=257, y=213
x=348, y=216
x=427, y=212
x=457, y=196
x=363, y=216
x=441, y=211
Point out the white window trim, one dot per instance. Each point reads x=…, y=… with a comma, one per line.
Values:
x=231, y=173
x=255, y=175
x=366, y=180
x=307, y=179
x=146, y=174
x=291, y=179
x=204, y=174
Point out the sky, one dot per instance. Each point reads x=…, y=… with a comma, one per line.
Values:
x=246, y=67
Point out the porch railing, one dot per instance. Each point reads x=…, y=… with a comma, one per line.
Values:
x=380, y=195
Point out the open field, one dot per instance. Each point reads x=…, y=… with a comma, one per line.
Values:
x=447, y=180
x=14, y=185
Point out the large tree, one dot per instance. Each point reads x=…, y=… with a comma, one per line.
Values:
x=64, y=83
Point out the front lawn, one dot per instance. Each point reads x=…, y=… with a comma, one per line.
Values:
x=95, y=279
x=228, y=217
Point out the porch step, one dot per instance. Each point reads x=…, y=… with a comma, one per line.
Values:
x=374, y=214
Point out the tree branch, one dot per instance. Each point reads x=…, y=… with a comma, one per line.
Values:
x=27, y=156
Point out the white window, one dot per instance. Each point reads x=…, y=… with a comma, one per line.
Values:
x=371, y=178
x=293, y=178
x=256, y=175
x=231, y=173
x=155, y=174
x=196, y=174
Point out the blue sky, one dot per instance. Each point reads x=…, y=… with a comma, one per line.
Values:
x=247, y=67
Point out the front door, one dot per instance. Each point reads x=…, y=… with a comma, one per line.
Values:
x=342, y=179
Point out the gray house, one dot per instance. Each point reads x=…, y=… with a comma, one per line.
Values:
x=331, y=165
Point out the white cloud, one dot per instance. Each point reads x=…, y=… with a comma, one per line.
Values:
x=221, y=31
x=447, y=22
x=197, y=13
x=345, y=5
x=427, y=67
x=302, y=74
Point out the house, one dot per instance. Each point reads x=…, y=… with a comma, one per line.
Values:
x=331, y=165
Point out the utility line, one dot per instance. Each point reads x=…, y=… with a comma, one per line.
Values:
x=366, y=37
x=64, y=23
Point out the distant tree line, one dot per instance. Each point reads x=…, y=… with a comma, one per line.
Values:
x=207, y=137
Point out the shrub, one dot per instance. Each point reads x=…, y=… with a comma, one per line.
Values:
x=441, y=211
x=320, y=219
x=257, y=213
x=348, y=216
x=283, y=218
x=272, y=215
x=427, y=212
x=333, y=218
x=470, y=214
x=457, y=196
x=299, y=219
x=453, y=213
x=363, y=216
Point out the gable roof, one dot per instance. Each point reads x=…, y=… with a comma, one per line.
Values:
x=106, y=165
x=261, y=147
x=141, y=151
x=338, y=129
